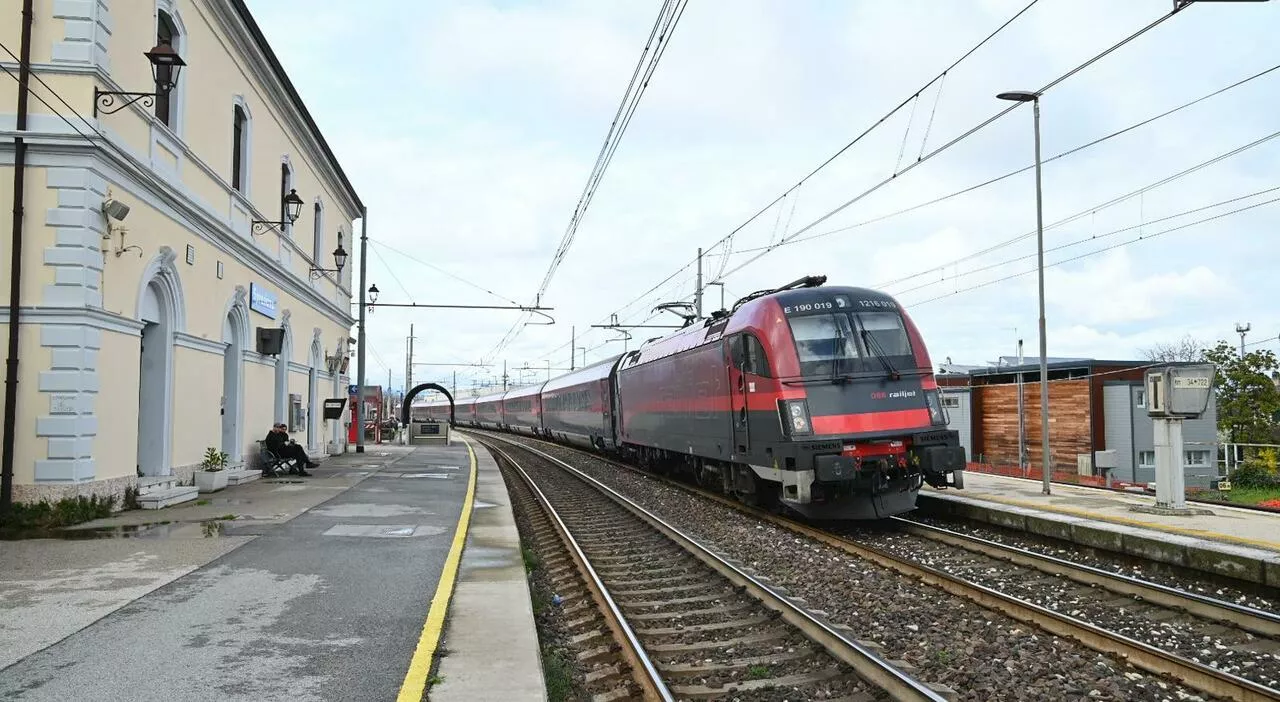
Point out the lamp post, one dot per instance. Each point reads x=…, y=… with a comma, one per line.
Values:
x=1046, y=462
x=292, y=209
x=161, y=56
x=339, y=260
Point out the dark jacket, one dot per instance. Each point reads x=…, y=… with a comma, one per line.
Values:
x=276, y=441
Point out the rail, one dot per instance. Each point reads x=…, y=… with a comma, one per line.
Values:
x=1201, y=677
x=1240, y=616
x=643, y=669
x=866, y=663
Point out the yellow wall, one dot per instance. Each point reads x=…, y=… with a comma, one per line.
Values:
x=115, y=448
x=214, y=76
x=197, y=423
x=28, y=448
x=192, y=163
x=258, y=411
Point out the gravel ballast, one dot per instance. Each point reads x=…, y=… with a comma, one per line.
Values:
x=1228, y=649
x=981, y=654
x=1160, y=573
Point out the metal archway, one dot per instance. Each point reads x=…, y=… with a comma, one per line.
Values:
x=408, y=400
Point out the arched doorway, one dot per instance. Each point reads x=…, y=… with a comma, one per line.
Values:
x=235, y=327
x=161, y=309
x=408, y=400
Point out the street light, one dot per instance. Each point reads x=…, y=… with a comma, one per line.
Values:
x=292, y=209
x=1046, y=461
x=339, y=259
x=161, y=56
x=373, y=296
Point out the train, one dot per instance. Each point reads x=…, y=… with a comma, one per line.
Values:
x=816, y=399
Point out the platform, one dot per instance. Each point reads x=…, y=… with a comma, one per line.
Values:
x=318, y=589
x=1239, y=543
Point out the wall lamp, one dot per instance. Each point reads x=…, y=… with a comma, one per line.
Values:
x=162, y=56
x=339, y=259
x=292, y=210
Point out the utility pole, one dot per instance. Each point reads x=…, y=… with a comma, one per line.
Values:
x=504, y=376
x=573, y=346
x=361, y=341
x=1242, y=329
x=697, y=295
x=408, y=380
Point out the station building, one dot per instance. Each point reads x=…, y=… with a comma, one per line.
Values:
x=1097, y=418
x=145, y=281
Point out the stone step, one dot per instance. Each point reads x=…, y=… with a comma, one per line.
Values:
x=167, y=498
x=148, y=484
x=240, y=477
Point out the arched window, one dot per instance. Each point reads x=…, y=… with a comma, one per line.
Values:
x=317, y=235
x=166, y=33
x=239, y=148
x=286, y=183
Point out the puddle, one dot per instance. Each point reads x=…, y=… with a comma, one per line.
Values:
x=153, y=530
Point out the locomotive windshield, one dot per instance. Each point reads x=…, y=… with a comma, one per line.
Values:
x=845, y=342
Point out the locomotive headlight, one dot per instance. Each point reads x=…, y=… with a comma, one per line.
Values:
x=795, y=416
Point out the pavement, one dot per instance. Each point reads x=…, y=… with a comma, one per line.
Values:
x=317, y=590
x=492, y=643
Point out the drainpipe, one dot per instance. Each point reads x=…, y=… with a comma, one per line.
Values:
x=15, y=266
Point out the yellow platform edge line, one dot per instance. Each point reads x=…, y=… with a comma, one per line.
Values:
x=415, y=680
x=1125, y=521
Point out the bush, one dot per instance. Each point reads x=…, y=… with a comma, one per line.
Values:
x=65, y=512
x=1254, y=474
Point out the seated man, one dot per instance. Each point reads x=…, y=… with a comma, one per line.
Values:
x=278, y=442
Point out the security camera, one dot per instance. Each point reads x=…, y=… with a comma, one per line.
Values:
x=115, y=209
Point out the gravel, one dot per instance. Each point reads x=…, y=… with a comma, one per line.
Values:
x=981, y=654
x=1164, y=574
x=1228, y=649
x=691, y=616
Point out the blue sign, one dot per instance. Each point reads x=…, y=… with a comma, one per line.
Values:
x=351, y=389
x=262, y=300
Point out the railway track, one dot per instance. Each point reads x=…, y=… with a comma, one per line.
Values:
x=1248, y=633
x=688, y=623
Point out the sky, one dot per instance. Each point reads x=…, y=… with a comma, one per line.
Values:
x=469, y=128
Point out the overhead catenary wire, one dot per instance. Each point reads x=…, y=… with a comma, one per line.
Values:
x=663, y=27
x=729, y=237
x=1142, y=237
x=875, y=125
x=968, y=189
x=956, y=140
x=1086, y=212
x=393, y=275
x=442, y=271
x=1096, y=237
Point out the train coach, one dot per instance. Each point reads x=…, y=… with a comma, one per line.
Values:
x=816, y=399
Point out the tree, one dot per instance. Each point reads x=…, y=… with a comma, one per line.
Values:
x=1188, y=349
x=1248, y=400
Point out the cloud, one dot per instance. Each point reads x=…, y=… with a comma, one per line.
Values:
x=471, y=129
x=1113, y=291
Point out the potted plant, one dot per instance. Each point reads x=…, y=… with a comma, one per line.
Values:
x=212, y=475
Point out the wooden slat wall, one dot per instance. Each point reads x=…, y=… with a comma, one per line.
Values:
x=1069, y=419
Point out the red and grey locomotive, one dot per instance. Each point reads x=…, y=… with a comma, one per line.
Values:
x=818, y=399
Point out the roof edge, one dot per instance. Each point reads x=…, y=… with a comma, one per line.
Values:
x=242, y=10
